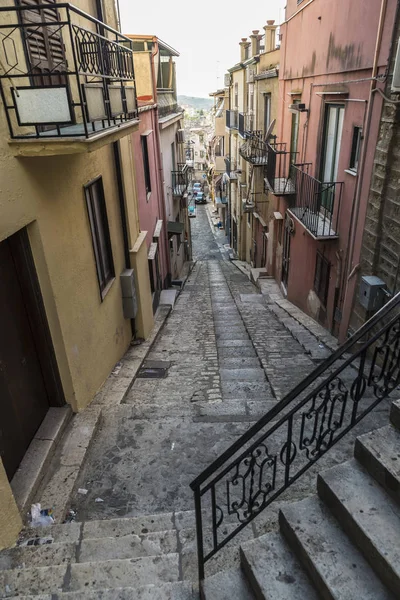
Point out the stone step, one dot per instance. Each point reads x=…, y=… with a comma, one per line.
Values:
x=233, y=335
x=226, y=585
x=273, y=570
x=379, y=453
x=242, y=374
x=46, y=555
x=90, y=575
x=258, y=390
x=57, y=533
x=395, y=413
x=336, y=568
x=245, y=343
x=237, y=352
x=181, y=590
x=128, y=526
x=128, y=546
x=239, y=362
x=368, y=515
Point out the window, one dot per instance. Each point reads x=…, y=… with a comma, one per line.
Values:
x=146, y=167
x=201, y=154
x=355, y=149
x=97, y=213
x=321, y=278
x=201, y=139
x=267, y=111
x=236, y=95
x=294, y=137
x=219, y=147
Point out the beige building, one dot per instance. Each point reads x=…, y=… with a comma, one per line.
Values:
x=253, y=97
x=69, y=224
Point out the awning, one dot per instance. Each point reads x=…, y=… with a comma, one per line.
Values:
x=157, y=229
x=217, y=180
x=259, y=217
x=175, y=228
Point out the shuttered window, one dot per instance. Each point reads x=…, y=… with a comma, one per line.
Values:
x=44, y=44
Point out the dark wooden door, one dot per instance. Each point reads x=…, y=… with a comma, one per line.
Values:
x=23, y=396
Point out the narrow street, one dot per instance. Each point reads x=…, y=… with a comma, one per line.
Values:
x=229, y=361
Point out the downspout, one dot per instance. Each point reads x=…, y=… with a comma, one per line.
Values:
x=122, y=208
x=160, y=179
x=353, y=226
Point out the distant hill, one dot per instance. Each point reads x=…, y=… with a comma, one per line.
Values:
x=199, y=103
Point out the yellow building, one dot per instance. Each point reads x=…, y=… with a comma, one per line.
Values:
x=253, y=107
x=69, y=225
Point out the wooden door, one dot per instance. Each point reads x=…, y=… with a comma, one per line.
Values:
x=23, y=396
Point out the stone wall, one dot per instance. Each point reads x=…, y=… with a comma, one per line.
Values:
x=380, y=253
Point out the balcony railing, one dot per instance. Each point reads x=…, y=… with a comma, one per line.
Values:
x=180, y=179
x=246, y=124
x=232, y=119
x=316, y=203
x=64, y=73
x=254, y=149
x=276, y=174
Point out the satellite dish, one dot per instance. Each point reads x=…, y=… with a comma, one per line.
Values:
x=270, y=130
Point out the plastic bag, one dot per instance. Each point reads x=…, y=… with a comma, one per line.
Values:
x=41, y=517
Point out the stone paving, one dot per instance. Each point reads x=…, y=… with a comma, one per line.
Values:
x=230, y=360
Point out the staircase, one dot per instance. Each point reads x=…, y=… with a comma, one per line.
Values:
x=343, y=543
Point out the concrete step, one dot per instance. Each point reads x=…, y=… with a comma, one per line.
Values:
x=128, y=526
x=273, y=570
x=237, y=352
x=395, y=413
x=46, y=555
x=242, y=374
x=227, y=585
x=166, y=591
x=379, y=453
x=368, y=515
x=90, y=575
x=336, y=568
x=70, y=532
x=232, y=335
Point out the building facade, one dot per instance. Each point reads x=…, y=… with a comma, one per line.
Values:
x=70, y=224
x=319, y=166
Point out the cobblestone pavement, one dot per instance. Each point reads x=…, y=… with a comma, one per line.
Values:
x=230, y=360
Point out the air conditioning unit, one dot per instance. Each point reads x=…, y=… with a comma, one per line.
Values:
x=250, y=72
x=396, y=72
x=180, y=136
x=227, y=79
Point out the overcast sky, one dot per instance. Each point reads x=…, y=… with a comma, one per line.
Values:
x=206, y=33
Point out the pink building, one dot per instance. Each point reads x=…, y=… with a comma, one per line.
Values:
x=149, y=177
x=333, y=60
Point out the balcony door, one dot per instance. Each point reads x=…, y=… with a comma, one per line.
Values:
x=333, y=127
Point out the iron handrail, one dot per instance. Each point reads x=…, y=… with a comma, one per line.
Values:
x=331, y=390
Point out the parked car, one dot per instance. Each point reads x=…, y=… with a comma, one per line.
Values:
x=197, y=187
x=191, y=210
x=200, y=198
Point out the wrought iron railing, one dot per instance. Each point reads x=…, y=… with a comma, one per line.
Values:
x=292, y=436
x=232, y=119
x=63, y=73
x=254, y=149
x=180, y=179
x=276, y=174
x=246, y=124
x=316, y=203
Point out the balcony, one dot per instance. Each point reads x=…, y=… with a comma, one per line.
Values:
x=66, y=78
x=167, y=104
x=316, y=203
x=276, y=175
x=180, y=180
x=254, y=149
x=232, y=119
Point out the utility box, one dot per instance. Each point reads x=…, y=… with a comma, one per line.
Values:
x=371, y=294
x=128, y=289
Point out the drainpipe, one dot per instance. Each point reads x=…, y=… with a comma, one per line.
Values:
x=154, y=52
x=122, y=208
x=353, y=226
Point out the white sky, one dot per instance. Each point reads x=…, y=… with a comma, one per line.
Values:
x=206, y=33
